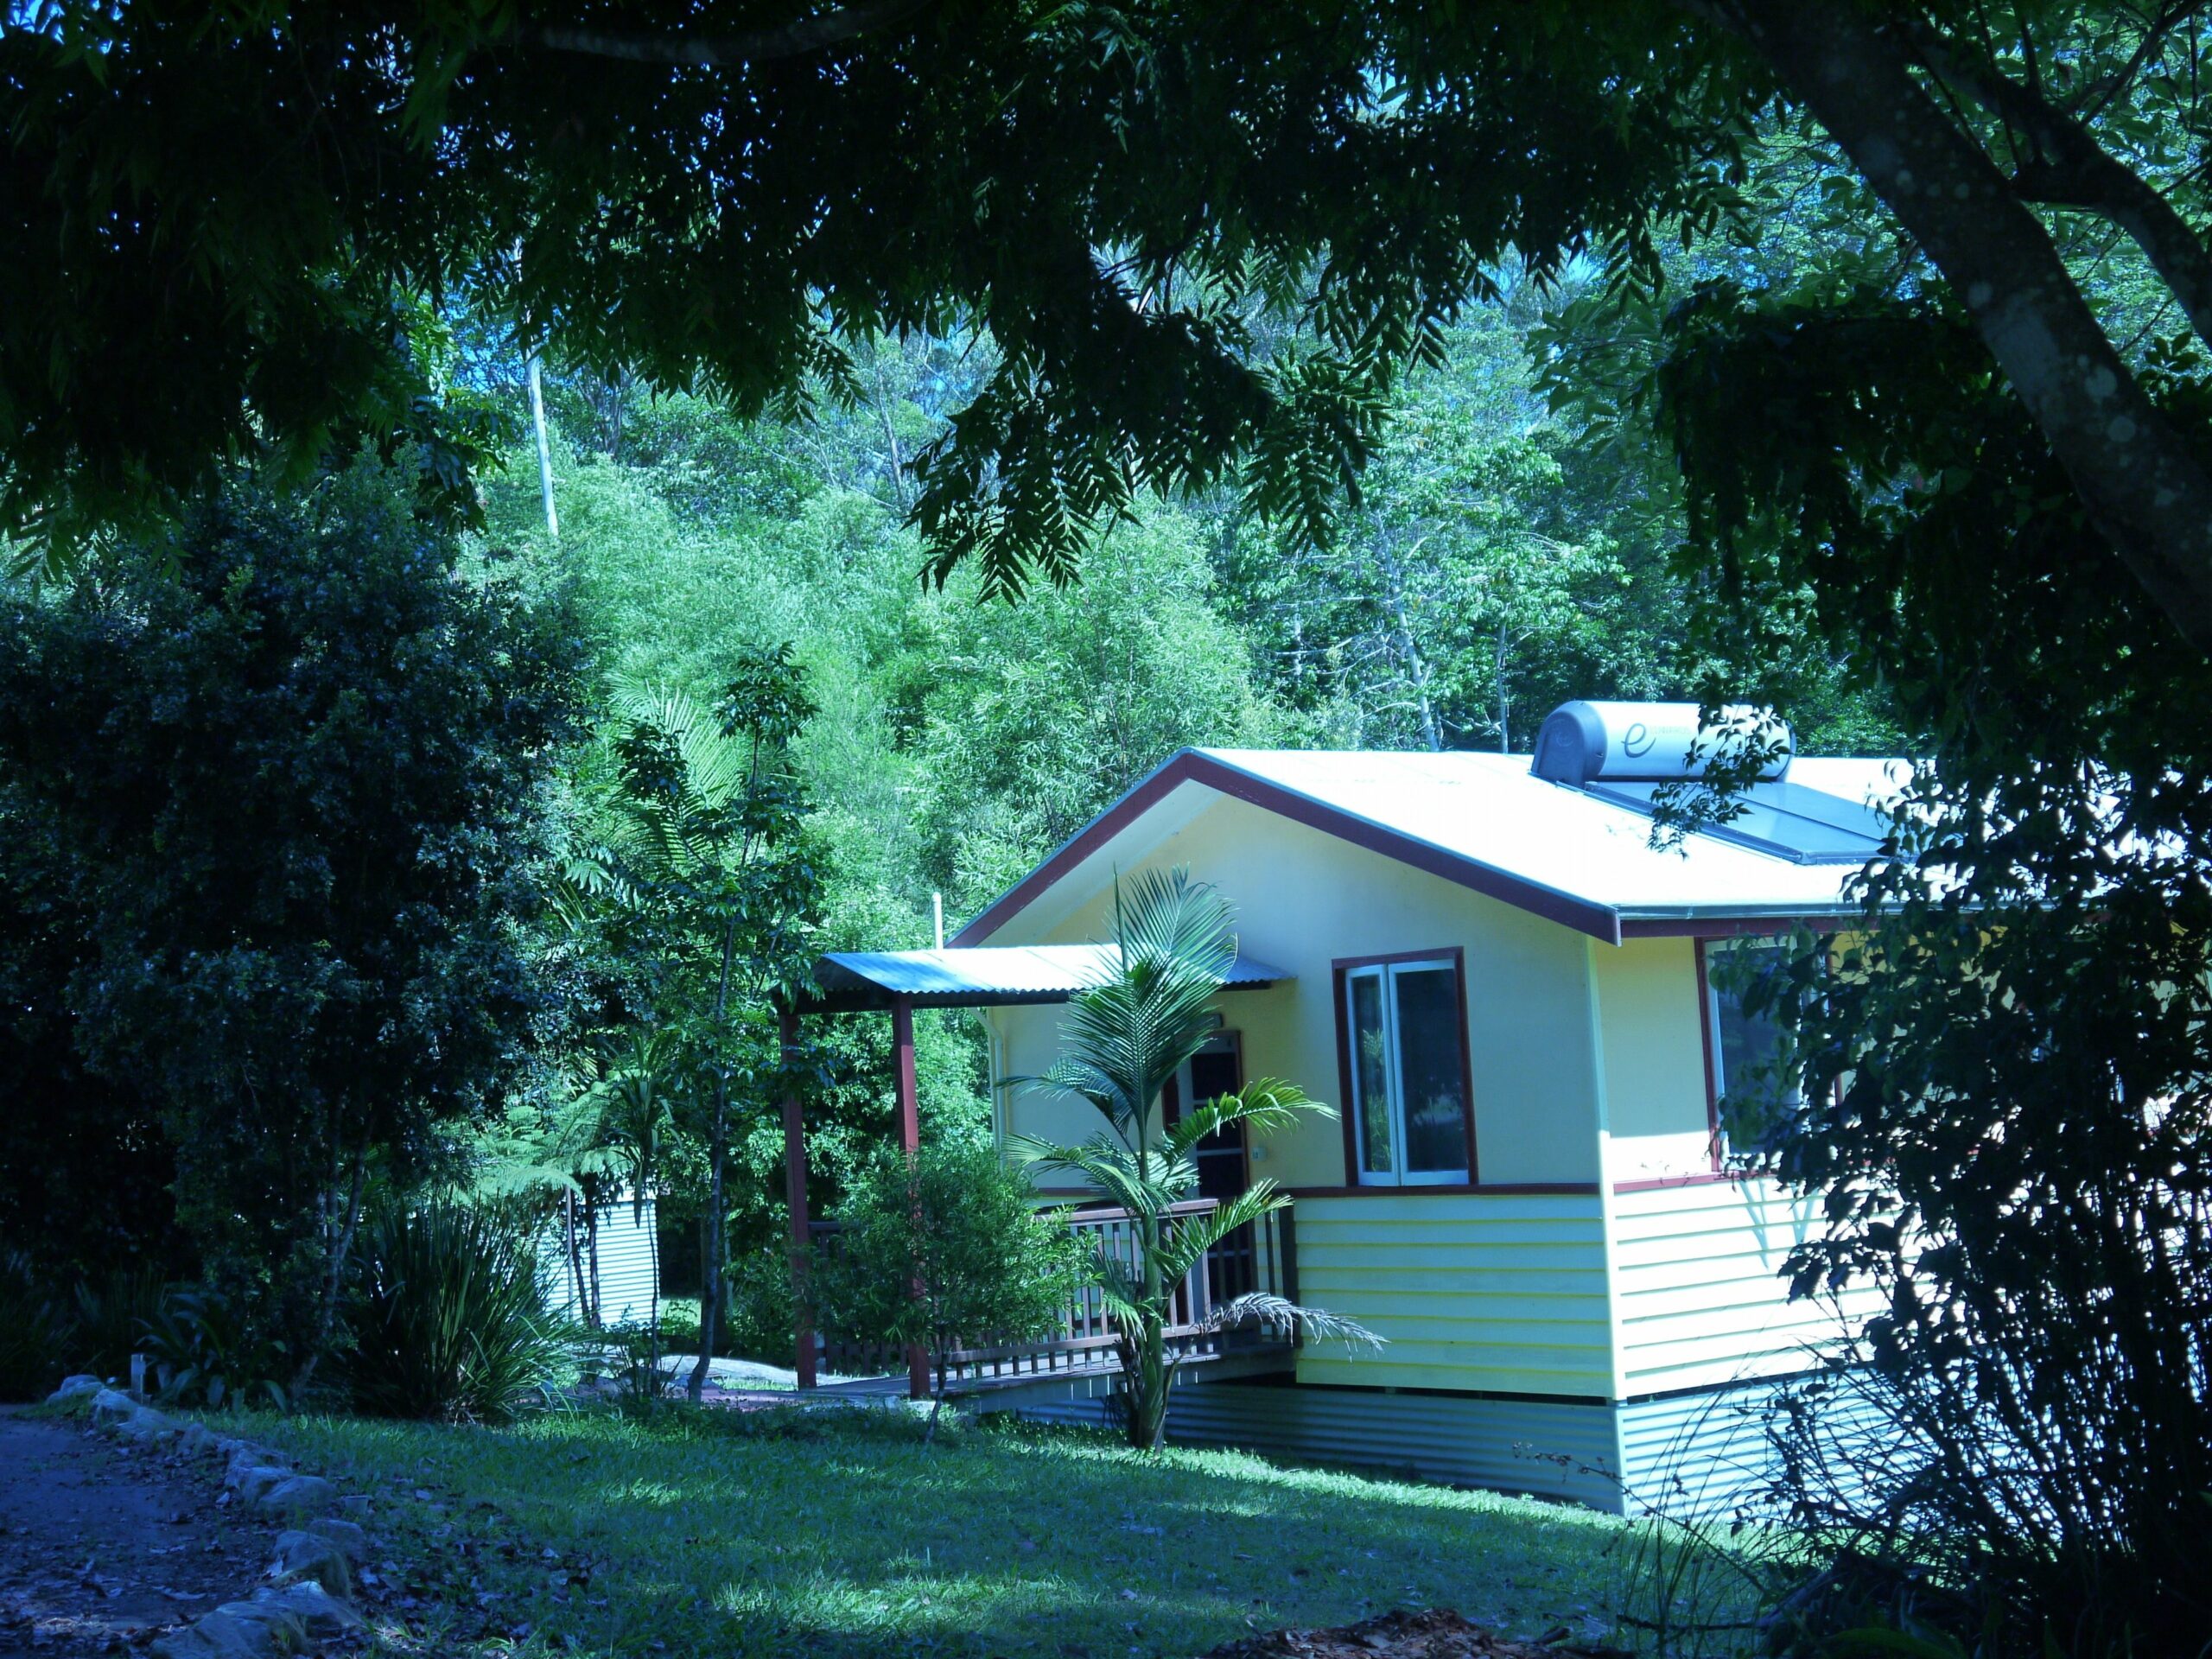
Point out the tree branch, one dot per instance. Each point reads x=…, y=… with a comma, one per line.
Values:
x=790, y=40
x=2069, y=169
x=2143, y=487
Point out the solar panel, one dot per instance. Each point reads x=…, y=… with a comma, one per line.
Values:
x=1782, y=819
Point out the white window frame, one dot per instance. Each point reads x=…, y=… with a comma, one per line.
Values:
x=1394, y=1074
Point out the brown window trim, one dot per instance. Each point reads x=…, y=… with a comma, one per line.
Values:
x=1705, y=1022
x=1460, y=1190
x=1338, y=969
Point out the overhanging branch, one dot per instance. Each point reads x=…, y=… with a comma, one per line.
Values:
x=791, y=40
x=2067, y=168
x=2142, y=484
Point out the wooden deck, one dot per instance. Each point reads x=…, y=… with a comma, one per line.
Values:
x=1256, y=1359
x=1260, y=1258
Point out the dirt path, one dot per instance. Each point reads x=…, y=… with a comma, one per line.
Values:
x=102, y=1550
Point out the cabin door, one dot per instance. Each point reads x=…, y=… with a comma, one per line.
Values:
x=1223, y=1172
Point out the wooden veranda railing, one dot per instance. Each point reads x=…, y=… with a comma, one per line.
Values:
x=1261, y=1257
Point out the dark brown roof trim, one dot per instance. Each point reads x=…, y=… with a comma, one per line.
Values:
x=1188, y=766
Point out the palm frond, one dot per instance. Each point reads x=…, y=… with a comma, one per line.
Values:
x=1193, y=1235
x=1124, y=1038
x=716, y=763
x=1120, y=1293
x=1162, y=917
x=1266, y=1104
x=595, y=877
x=1099, y=1162
x=1264, y=1307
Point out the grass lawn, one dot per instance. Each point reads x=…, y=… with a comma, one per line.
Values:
x=713, y=1534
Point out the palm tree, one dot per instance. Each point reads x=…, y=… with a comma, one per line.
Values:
x=1122, y=1042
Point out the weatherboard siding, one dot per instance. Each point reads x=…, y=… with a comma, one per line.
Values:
x=1650, y=1016
x=1700, y=1298
x=1492, y=1292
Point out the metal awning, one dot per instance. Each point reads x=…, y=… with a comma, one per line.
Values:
x=980, y=976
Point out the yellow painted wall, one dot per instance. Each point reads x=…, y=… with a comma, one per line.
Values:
x=1652, y=1043
x=1501, y=1292
x=1304, y=899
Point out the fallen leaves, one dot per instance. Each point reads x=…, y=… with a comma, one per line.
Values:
x=1432, y=1635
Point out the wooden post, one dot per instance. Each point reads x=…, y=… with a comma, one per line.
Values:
x=795, y=1197
x=909, y=1140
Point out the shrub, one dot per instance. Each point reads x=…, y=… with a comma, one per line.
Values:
x=31, y=1332
x=449, y=1320
x=631, y=1355
x=964, y=1230
x=758, y=1313
x=111, y=1318
x=204, y=1354
x=763, y=1313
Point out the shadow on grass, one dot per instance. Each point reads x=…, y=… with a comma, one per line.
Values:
x=785, y=1532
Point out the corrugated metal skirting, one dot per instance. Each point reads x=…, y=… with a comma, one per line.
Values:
x=1706, y=1455
x=1717, y=1453
x=626, y=1258
x=1544, y=1448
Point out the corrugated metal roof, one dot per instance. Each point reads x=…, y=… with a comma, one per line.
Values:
x=1484, y=820
x=982, y=975
x=1492, y=810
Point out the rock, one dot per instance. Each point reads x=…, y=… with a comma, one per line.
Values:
x=256, y=1481
x=351, y=1541
x=301, y=1494
x=317, y=1609
x=237, y=1630
x=303, y=1555
x=113, y=1406
x=288, y=1631
x=146, y=1424
x=75, y=1388
x=194, y=1439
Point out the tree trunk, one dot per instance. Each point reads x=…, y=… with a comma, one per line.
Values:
x=334, y=1278
x=710, y=1289
x=1505, y=703
x=1144, y=1359
x=572, y=1247
x=598, y=1316
x=2144, y=489
x=1418, y=673
x=545, y=449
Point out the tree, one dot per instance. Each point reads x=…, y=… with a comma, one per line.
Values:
x=1123, y=1042
x=280, y=777
x=708, y=197
x=707, y=872
x=1473, y=588
x=1020, y=725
